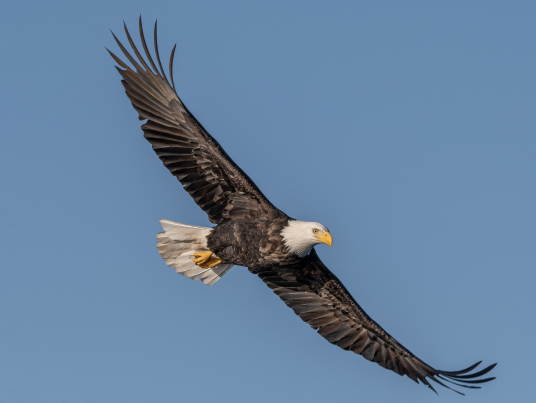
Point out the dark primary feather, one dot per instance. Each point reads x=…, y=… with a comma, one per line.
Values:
x=194, y=157
x=320, y=299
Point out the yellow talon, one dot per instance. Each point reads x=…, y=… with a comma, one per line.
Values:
x=212, y=263
x=205, y=260
x=202, y=257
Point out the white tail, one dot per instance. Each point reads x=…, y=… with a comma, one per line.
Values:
x=177, y=246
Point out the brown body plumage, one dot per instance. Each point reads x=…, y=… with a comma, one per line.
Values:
x=252, y=243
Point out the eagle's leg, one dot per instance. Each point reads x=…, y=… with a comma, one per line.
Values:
x=205, y=260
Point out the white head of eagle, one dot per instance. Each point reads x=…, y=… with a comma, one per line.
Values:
x=300, y=236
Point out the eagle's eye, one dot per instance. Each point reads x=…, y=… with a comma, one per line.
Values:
x=315, y=231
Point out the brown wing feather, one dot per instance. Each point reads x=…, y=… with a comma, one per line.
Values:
x=320, y=299
x=194, y=157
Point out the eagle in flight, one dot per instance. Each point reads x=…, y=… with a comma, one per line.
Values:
x=250, y=231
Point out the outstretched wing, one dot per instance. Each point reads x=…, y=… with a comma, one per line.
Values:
x=194, y=157
x=320, y=299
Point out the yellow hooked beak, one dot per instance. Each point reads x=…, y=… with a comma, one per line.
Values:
x=326, y=238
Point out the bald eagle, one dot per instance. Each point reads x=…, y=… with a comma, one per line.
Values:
x=250, y=231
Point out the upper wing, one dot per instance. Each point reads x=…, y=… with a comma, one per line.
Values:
x=194, y=157
x=320, y=299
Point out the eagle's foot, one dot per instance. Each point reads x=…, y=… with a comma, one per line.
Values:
x=205, y=260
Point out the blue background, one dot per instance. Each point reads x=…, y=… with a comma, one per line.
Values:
x=407, y=128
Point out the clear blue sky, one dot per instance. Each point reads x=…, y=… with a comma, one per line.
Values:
x=408, y=128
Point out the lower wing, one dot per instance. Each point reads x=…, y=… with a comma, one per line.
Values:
x=318, y=297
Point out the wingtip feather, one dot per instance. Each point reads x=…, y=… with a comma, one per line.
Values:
x=156, y=51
